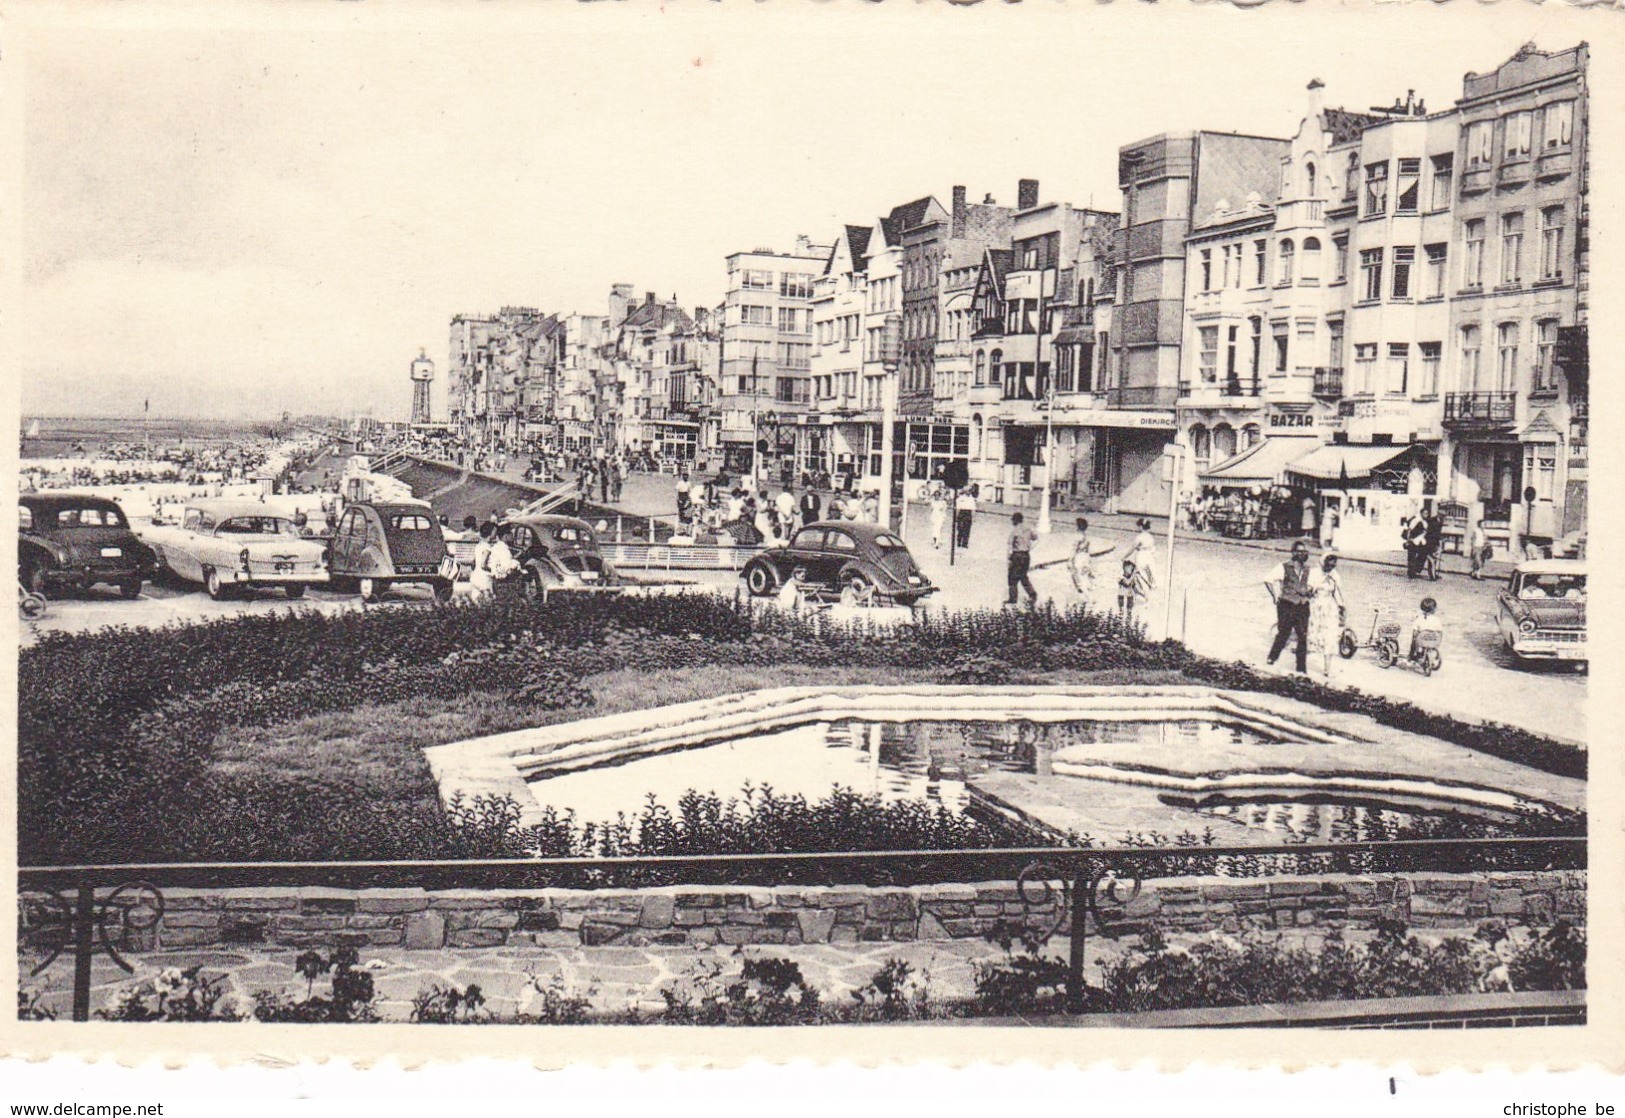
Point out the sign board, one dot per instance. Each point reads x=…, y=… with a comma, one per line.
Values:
x=1288, y=420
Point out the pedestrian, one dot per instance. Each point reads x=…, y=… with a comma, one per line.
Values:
x=1288, y=585
x=1479, y=550
x=1415, y=534
x=1020, y=560
x=684, y=498
x=1308, y=522
x=1144, y=553
x=871, y=508
x=939, y=515
x=964, y=515
x=811, y=507
x=1131, y=592
x=493, y=562
x=1082, y=564
x=1433, y=542
x=1326, y=612
x=785, y=505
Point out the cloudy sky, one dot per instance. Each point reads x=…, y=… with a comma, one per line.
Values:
x=230, y=220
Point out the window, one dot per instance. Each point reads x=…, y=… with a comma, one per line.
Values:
x=1308, y=337
x=1251, y=436
x=1443, y=176
x=1408, y=188
x=1201, y=445
x=1209, y=353
x=1551, y=243
x=1376, y=189
x=1519, y=135
x=1310, y=188
x=981, y=367
x=1472, y=269
x=1365, y=364
x=1260, y=262
x=1511, y=248
x=1399, y=368
x=1557, y=126
x=1480, y=145
x=1066, y=377
x=1283, y=275
x=1230, y=353
x=791, y=320
x=1207, y=269
x=1351, y=178
x=1334, y=343
x=1340, y=254
x=752, y=315
x=1309, y=270
x=795, y=285
x=1371, y=273
x=758, y=281
x=1546, y=355
x=1506, y=360
x=1404, y=258
x=1470, y=349
x=994, y=367
x=1278, y=331
x=1436, y=271
x=1427, y=383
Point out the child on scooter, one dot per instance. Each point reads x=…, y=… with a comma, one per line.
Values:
x=1426, y=620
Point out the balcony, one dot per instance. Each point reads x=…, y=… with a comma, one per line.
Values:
x=1143, y=396
x=1328, y=384
x=1480, y=409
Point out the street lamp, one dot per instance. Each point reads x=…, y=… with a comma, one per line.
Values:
x=1049, y=454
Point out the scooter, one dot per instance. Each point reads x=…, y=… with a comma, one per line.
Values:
x=1424, y=657
x=1383, y=639
x=29, y=604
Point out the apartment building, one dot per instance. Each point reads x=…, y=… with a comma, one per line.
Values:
x=766, y=356
x=499, y=364
x=1516, y=408
x=840, y=304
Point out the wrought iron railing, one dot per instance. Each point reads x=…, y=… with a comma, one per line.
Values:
x=100, y=909
x=1480, y=407
x=1328, y=383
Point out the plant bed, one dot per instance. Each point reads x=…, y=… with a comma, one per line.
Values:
x=246, y=738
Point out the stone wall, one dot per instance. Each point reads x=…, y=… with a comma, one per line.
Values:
x=702, y=915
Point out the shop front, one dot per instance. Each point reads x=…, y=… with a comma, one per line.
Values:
x=1363, y=493
x=1250, y=494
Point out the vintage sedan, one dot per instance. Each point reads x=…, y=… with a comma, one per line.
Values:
x=236, y=545
x=378, y=545
x=72, y=541
x=833, y=556
x=1542, y=614
x=557, y=553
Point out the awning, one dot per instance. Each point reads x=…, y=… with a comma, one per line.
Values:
x=1074, y=335
x=1334, y=462
x=1262, y=462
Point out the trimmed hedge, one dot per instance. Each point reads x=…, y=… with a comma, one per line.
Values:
x=115, y=727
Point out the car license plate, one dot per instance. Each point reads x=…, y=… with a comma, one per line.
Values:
x=284, y=568
x=589, y=576
x=112, y=552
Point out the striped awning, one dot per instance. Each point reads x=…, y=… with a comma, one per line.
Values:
x=1261, y=463
x=1334, y=462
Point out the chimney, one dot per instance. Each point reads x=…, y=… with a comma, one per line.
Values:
x=648, y=298
x=1317, y=99
x=1026, y=194
x=958, y=229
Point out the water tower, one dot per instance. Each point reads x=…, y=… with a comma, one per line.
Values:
x=422, y=377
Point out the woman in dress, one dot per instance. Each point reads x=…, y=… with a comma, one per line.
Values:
x=1326, y=612
x=939, y=515
x=1081, y=565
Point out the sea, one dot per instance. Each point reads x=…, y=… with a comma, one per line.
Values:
x=58, y=435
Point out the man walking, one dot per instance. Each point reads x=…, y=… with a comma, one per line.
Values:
x=1020, y=561
x=1288, y=585
x=810, y=507
x=964, y=514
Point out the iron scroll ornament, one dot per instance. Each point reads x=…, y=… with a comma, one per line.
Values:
x=79, y=919
x=1099, y=891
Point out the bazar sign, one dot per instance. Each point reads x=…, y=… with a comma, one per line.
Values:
x=1283, y=420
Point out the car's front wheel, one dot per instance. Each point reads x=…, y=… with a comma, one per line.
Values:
x=213, y=584
x=863, y=591
x=294, y=590
x=443, y=591
x=130, y=588
x=760, y=580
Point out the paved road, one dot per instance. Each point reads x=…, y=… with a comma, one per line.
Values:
x=1220, y=606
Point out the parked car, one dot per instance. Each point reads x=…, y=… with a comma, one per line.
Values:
x=831, y=556
x=236, y=545
x=72, y=541
x=1542, y=614
x=557, y=553
x=378, y=545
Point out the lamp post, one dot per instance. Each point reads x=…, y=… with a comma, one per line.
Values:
x=888, y=420
x=1049, y=455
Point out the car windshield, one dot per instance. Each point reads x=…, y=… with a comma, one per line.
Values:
x=887, y=542
x=1533, y=587
x=411, y=522
x=90, y=517
x=257, y=526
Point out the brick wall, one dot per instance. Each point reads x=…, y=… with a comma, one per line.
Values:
x=700, y=915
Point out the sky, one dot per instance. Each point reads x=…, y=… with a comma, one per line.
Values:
x=230, y=217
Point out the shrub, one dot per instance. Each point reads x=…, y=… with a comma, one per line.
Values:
x=449, y=1005
x=767, y=991
x=348, y=997
x=174, y=995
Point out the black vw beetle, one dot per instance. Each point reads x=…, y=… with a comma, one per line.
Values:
x=831, y=556
x=72, y=541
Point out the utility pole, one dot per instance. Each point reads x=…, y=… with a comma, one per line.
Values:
x=1175, y=457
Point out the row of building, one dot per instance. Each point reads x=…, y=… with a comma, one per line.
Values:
x=1388, y=307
